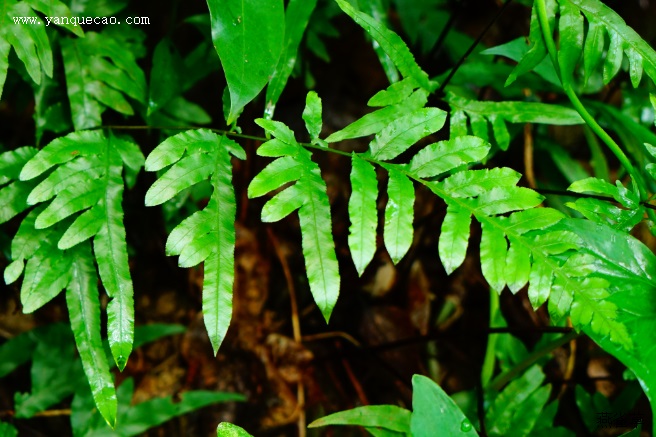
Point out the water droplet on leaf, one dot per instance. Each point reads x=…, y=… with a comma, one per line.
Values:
x=466, y=426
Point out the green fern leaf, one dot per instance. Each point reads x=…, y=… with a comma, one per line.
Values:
x=84, y=311
x=399, y=214
x=363, y=213
x=394, y=94
x=99, y=74
x=392, y=44
x=481, y=114
x=308, y=195
x=400, y=134
x=208, y=235
x=312, y=115
x=494, y=249
x=570, y=27
x=438, y=158
x=454, y=237
x=88, y=176
x=297, y=17
x=248, y=35
x=601, y=211
x=13, y=192
x=30, y=41
x=374, y=122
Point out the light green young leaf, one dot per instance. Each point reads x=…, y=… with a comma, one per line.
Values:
x=518, y=265
x=248, y=36
x=394, y=94
x=438, y=158
x=392, y=44
x=208, y=235
x=388, y=417
x=275, y=175
x=226, y=429
x=312, y=115
x=297, y=16
x=374, y=122
x=363, y=213
x=399, y=214
x=403, y=132
x=433, y=409
x=454, y=237
x=493, y=256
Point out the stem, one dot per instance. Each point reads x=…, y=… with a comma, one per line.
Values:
x=501, y=380
x=585, y=115
x=488, y=362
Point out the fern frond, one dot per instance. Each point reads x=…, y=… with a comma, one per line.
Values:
x=208, y=235
x=30, y=41
x=13, y=192
x=87, y=179
x=602, y=211
x=308, y=195
x=48, y=271
x=100, y=74
x=483, y=114
x=603, y=23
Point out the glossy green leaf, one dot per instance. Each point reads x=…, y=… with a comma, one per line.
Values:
x=297, y=17
x=517, y=112
x=248, y=36
x=312, y=115
x=226, y=429
x=208, y=235
x=378, y=11
x=570, y=28
x=389, y=417
x=394, y=94
x=593, y=50
x=399, y=215
x=494, y=250
x=403, y=132
x=275, y=175
x=518, y=266
x=433, y=410
x=454, y=237
x=392, y=44
x=623, y=40
x=374, y=122
x=438, y=158
x=363, y=213
x=537, y=50
x=84, y=312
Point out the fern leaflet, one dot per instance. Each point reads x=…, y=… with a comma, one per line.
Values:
x=207, y=236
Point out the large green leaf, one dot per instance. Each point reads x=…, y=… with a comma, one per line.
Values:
x=403, y=132
x=248, y=36
x=207, y=235
x=13, y=192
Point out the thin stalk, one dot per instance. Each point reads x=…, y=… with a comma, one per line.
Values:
x=547, y=35
x=500, y=381
x=488, y=362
